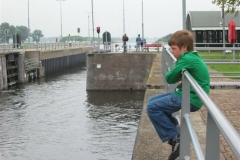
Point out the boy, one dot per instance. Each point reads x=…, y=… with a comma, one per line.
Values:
x=161, y=107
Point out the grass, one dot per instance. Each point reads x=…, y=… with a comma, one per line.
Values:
x=218, y=55
x=222, y=67
x=227, y=68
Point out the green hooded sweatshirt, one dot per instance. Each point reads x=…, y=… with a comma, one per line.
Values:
x=194, y=64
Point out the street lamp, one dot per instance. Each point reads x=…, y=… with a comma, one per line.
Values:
x=142, y=23
x=28, y=23
x=92, y=23
x=184, y=13
x=123, y=19
x=61, y=14
x=223, y=25
x=88, y=26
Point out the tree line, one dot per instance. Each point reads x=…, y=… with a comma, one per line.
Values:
x=7, y=32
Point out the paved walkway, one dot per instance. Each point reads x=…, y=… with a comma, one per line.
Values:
x=148, y=145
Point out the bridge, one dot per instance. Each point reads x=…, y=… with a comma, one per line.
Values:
x=20, y=63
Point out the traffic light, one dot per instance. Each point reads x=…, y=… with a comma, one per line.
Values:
x=69, y=35
x=98, y=30
x=78, y=30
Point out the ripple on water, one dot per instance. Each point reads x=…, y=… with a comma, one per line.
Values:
x=56, y=118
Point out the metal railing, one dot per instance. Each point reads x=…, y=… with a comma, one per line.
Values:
x=232, y=61
x=6, y=48
x=31, y=64
x=216, y=121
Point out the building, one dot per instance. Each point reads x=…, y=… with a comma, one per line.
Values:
x=206, y=27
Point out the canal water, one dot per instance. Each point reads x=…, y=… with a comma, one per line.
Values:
x=55, y=118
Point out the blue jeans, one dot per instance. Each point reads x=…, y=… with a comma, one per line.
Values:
x=160, y=109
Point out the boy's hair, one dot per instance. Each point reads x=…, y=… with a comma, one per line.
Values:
x=181, y=38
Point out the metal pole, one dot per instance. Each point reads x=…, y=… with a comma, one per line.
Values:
x=15, y=36
x=223, y=18
x=184, y=13
x=28, y=23
x=123, y=19
x=92, y=22
x=142, y=23
x=88, y=27
x=61, y=16
x=98, y=44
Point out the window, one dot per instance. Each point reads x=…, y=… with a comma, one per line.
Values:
x=210, y=36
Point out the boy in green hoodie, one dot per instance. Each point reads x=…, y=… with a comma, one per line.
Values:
x=160, y=107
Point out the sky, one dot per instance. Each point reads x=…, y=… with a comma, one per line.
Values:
x=160, y=17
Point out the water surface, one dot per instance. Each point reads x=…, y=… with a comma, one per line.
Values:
x=55, y=118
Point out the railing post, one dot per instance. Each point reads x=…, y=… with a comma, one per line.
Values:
x=212, y=140
x=234, y=52
x=184, y=134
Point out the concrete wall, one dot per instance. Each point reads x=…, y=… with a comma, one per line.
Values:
x=51, y=54
x=118, y=71
x=3, y=73
x=57, y=59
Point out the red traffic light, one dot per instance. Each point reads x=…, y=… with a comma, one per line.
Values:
x=98, y=29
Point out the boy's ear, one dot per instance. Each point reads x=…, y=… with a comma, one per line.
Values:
x=184, y=48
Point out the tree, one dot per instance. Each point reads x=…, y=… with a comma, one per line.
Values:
x=230, y=6
x=36, y=35
x=165, y=38
x=23, y=32
x=10, y=32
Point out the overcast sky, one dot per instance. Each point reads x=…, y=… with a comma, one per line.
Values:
x=161, y=17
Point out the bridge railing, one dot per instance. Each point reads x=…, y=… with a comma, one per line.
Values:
x=216, y=121
x=6, y=47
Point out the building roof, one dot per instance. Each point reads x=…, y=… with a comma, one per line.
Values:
x=209, y=20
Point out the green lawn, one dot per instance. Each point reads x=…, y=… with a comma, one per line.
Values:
x=222, y=67
x=218, y=55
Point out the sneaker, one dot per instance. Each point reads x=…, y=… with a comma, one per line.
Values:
x=174, y=141
x=175, y=154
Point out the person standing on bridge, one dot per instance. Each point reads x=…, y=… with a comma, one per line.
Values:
x=125, y=39
x=160, y=107
x=138, y=43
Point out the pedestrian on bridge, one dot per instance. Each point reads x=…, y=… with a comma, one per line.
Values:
x=138, y=43
x=160, y=107
x=125, y=39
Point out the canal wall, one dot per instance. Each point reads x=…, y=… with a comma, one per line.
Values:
x=19, y=67
x=3, y=73
x=52, y=61
x=118, y=71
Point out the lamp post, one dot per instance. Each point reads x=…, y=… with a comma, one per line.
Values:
x=223, y=25
x=92, y=23
x=184, y=13
x=123, y=19
x=61, y=14
x=142, y=23
x=28, y=23
x=88, y=26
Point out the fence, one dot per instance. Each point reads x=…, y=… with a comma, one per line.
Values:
x=216, y=121
x=5, y=48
